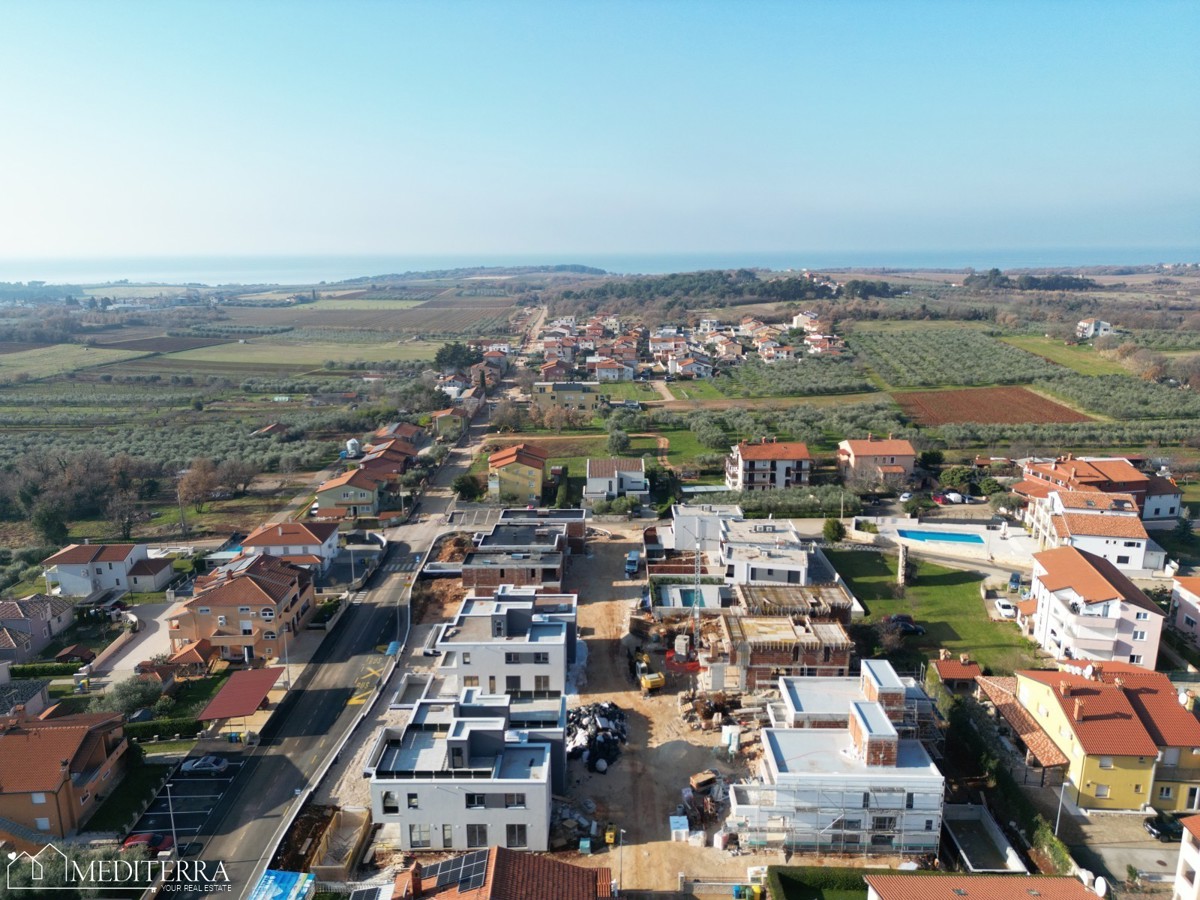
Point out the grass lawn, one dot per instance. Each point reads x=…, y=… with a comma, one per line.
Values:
x=795, y=891
x=139, y=785
x=175, y=748
x=1080, y=357
x=95, y=636
x=701, y=389
x=60, y=358
x=684, y=448
x=945, y=601
x=1186, y=551
x=629, y=390
x=193, y=695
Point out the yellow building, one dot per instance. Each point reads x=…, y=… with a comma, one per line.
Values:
x=1128, y=740
x=581, y=396
x=516, y=473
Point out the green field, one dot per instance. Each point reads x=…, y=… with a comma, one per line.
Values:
x=629, y=390
x=695, y=390
x=59, y=359
x=1080, y=357
x=383, y=305
x=277, y=350
x=946, y=601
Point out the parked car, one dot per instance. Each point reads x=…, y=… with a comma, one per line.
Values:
x=1164, y=826
x=939, y=498
x=953, y=497
x=906, y=496
x=205, y=765
x=900, y=617
x=905, y=626
x=1014, y=582
x=1005, y=609
x=151, y=843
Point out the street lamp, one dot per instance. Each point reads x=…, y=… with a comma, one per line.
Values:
x=287, y=667
x=621, y=863
x=1062, y=790
x=171, y=815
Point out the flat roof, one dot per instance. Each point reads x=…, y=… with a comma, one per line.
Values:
x=820, y=695
x=241, y=695
x=547, y=515
x=524, y=535
x=525, y=761
x=824, y=752
x=515, y=560
x=872, y=718
x=881, y=672
x=790, y=555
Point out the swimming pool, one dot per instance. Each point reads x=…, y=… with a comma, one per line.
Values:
x=952, y=537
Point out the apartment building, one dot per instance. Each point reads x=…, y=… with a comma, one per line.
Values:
x=1103, y=524
x=749, y=653
x=767, y=465
x=573, y=520
x=469, y=773
x=517, y=472
x=876, y=459
x=1088, y=609
x=843, y=771
x=1159, y=500
x=581, y=396
x=483, y=572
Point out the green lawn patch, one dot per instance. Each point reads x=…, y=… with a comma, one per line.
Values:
x=93, y=635
x=684, y=447
x=1185, y=550
x=1083, y=358
x=630, y=390
x=175, y=748
x=700, y=389
x=137, y=787
x=946, y=601
x=193, y=695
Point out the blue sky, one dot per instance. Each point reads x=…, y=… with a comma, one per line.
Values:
x=505, y=127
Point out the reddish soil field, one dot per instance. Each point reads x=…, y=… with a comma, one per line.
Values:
x=995, y=405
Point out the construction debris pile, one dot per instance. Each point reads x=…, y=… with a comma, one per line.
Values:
x=596, y=733
x=704, y=799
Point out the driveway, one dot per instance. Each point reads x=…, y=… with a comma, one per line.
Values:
x=151, y=640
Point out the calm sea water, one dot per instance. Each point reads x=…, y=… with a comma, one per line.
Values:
x=217, y=270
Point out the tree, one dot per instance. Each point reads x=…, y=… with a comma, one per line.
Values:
x=931, y=459
x=507, y=416
x=833, y=530
x=457, y=356
x=1006, y=503
x=198, y=483
x=128, y=696
x=467, y=487
x=50, y=520
x=236, y=475
x=556, y=418
x=618, y=442
x=957, y=477
x=525, y=379
x=122, y=511
x=562, y=499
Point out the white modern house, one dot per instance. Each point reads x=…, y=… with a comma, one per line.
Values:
x=83, y=569
x=698, y=526
x=1187, y=882
x=1088, y=609
x=1090, y=328
x=846, y=772
x=768, y=552
x=517, y=642
x=616, y=477
x=310, y=544
x=469, y=773
x=1105, y=525
x=767, y=465
x=1185, y=603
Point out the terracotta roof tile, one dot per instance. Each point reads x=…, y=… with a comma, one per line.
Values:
x=1093, y=578
x=1156, y=701
x=241, y=695
x=956, y=670
x=1095, y=500
x=937, y=886
x=525, y=454
x=148, y=567
x=290, y=533
x=608, y=468
x=33, y=750
x=354, y=478
x=1003, y=693
x=1109, y=724
x=1190, y=583
x=774, y=450
x=1192, y=824
x=80, y=554
x=879, y=447
x=1105, y=525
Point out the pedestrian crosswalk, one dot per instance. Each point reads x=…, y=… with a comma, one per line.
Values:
x=407, y=565
x=358, y=597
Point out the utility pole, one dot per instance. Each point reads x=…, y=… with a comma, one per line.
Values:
x=182, y=516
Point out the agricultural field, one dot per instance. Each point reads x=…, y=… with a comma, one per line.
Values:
x=463, y=320
x=1000, y=405
x=162, y=344
x=694, y=390
x=1124, y=397
x=1163, y=340
x=794, y=378
x=18, y=347
x=949, y=357
x=58, y=359
x=312, y=354
x=1080, y=358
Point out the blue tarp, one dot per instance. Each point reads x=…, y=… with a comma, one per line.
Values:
x=393, y=648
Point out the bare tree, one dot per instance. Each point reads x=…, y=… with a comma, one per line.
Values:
x=198, y=483
x=122, y=512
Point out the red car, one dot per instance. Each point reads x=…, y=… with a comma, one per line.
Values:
x=151, y=843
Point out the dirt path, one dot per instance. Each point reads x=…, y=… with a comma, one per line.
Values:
x=661, y=387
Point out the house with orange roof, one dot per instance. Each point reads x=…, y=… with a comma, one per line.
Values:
x=555, y=370
x=1185, y=601
x=1128, y=741
x=1090, y=610
x=79, y=570
x=876, y=459
x=1090, y=328
x=353, y=493
x=296, y=542
x=610, y=370
x=498, y=873
x=1107, y=525
x=767, y=465
x=517, y=472
x=1158, y=498
x=56, y=772
x=243, y=609
x=448, y=424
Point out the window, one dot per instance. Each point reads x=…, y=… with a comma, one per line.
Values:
x=267, y=613
x=477, y=836
x=514, y=801
x=1189, y=621
x=541, y=682
x=1137, y=788
x=447, y=836
x=515, y=835
x=418, y=836
x=929, y=824
x=541, y=659
x=269, y=635
x=475, y=801
x=244, y=610
x=1166, y=793
x=38, y=798
x=1142, y=616
x=1139, y=635
x=390, y=805
x=1106, y=762
x=42, y=824
x=883, y=823
x=908, y=800
x=412, y=802
x=866, y=799
x=1135, y=659
x=512, y=684
x=512, y=658
x=1122, y=560
x=1102, y=791
x=471, y=681
x=203, y=610
x=466, y=658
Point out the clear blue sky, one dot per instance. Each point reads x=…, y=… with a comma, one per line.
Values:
x=175, y=128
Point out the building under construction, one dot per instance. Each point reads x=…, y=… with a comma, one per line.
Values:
x=751, y=653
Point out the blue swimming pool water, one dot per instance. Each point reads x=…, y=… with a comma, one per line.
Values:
x=688, y=597
x=952, y=537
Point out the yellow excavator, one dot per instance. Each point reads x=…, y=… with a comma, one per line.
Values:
x=647, y=677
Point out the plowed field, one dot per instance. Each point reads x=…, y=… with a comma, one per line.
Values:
x=998, y=406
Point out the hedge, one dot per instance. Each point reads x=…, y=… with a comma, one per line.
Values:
x=145, y=731
x=782, y=878
x=45, y=670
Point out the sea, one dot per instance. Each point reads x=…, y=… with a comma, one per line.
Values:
x=319, y=268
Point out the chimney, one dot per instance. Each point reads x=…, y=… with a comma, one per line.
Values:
x=1119, y=682
x=870, y=437
x=1190, y=701
x=943, y=653
x=1078, y=714
x=964, y=658
x=1064, y=688
x=1098, y=671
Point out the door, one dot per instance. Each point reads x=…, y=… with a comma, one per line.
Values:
x=491, y=684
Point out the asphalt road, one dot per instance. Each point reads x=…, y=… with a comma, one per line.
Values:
x=328, y=696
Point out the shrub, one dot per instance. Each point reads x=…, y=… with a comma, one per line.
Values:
x=833, y=530
x=145, y=731
x=45, y=670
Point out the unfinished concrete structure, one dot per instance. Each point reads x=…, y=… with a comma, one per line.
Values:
x=484, y=572
x=749, y=653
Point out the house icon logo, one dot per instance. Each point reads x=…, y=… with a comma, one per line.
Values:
x=46, y=870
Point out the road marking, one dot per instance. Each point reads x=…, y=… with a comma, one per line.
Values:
x=360, y=699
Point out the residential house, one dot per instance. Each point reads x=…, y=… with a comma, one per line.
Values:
x=80, y=570
x=556, y=370
x=498, y=359
x=958, y=675
x=580, y=396
x=1107, y=525
x=697, y=526
x=1158, y=499
x=767, y=552
x=398, y=431
x=806, y=321
x=310, y=544
x=517, y=472
x=32, y=623
x=1185, y=603
x=1127, y=741
x=449, y=424
x=690, y=367
x=469, y=773
x=56, y=772
x=1092, y=328
x=1088, y=609
x=772, y=352
x=245, y=610
x=876, y=459
x=483, y=572
x=611, y=370
x=352, y=494
x=454, y=384
x=500, y=874
x=1187, y=884
x=516, y=641
x=747, y=653
x=573, y=520
x=767, y=465
x=22, y=697
x=389, y=463
x=728, y=349
x=847, y=773
x=615, y=477
x=952, y=885
x=519, y=538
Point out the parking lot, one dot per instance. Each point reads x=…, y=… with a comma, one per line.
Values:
x=192, y=798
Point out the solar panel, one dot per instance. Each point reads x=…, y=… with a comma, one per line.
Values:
x=467, y=872
x=372, y=893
